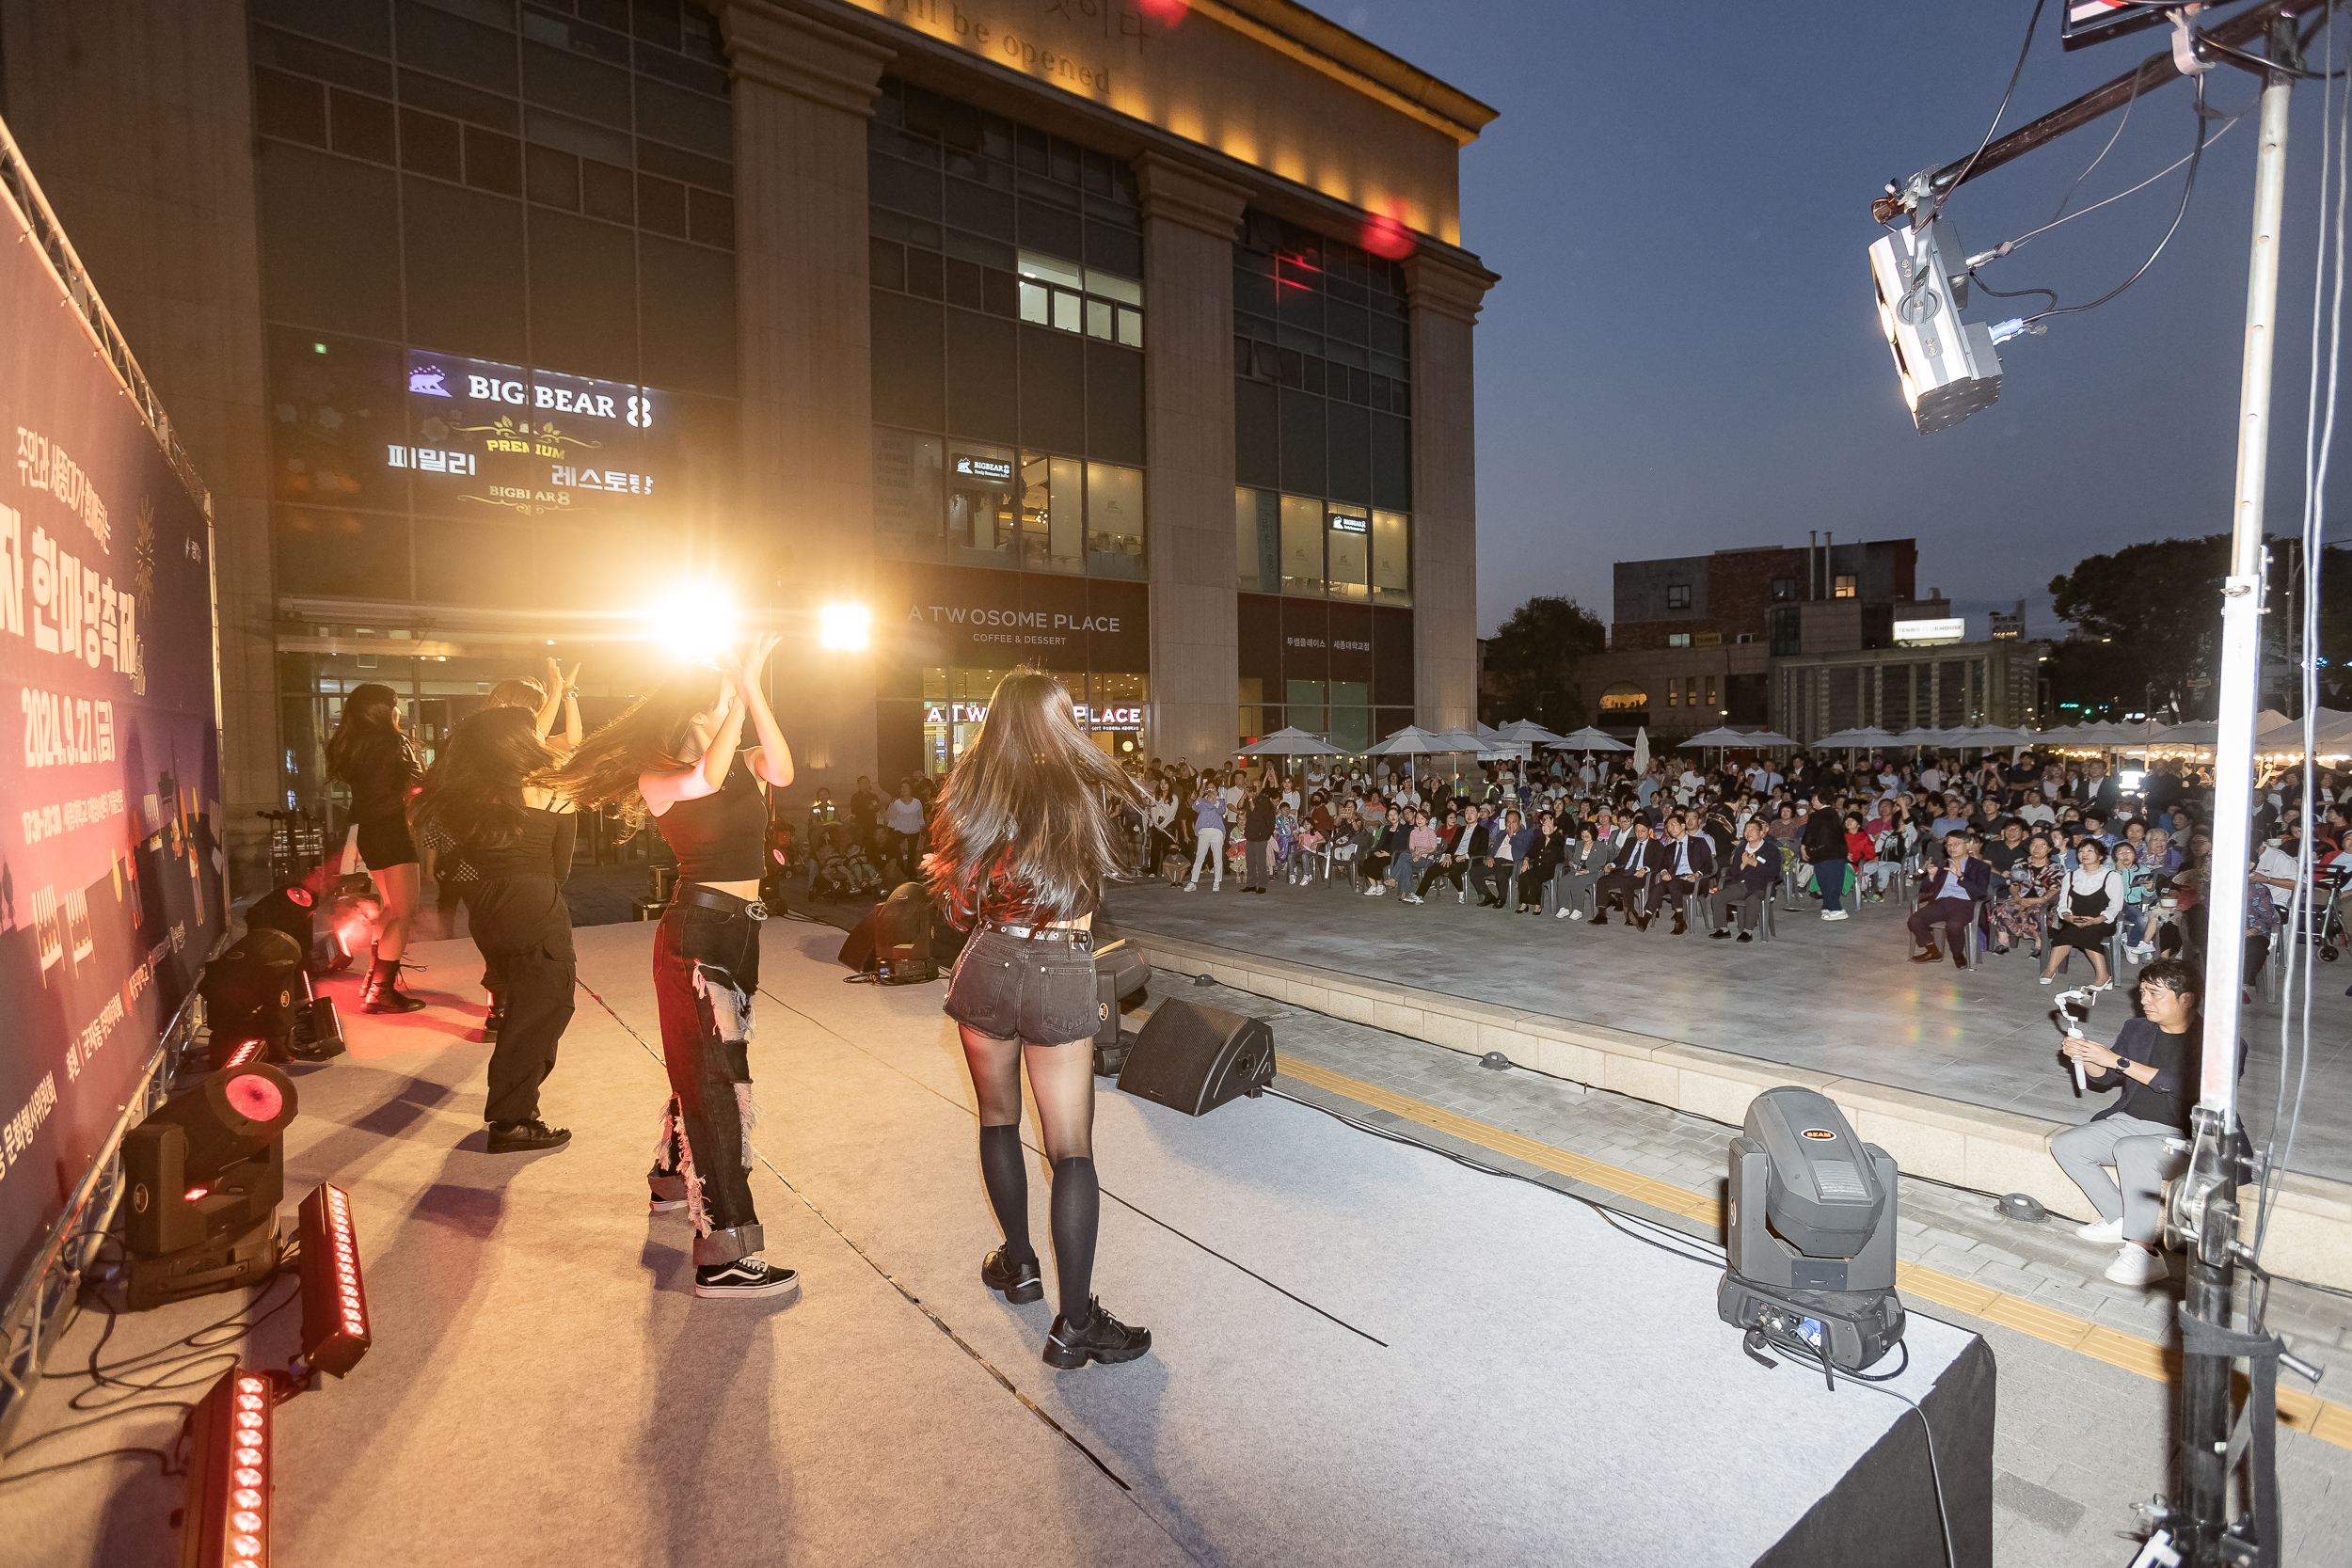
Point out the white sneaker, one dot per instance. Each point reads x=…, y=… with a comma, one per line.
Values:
x=1462, y=897
x=2137, y=1265
x=1833, y=914
x=1374, y=891
x=1410, y=898
x=1190, y=887
x=1564, y=914
x=2108, y=1232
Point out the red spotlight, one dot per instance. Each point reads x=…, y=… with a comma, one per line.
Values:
x=1169, y=11
x=336, y=1331
x=226, y=1522
x=1386, y=237
x=254, y=1097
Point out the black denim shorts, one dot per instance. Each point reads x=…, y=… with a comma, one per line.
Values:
x=1039, y=991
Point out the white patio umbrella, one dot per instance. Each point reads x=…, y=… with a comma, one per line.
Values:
x=1768, y=737
x=1853, y=739
x=1591, y=739
x=1290, y=742
x=1412, y=741
x=1920, y=737
x=2333, y=736
x=1526, y=732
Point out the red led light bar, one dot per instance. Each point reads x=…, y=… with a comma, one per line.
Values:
x=243, y=1052
x=336, y=1331
x=226, y=1523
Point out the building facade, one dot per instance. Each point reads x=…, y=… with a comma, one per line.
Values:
x=1127, y=338
x=1940, y=686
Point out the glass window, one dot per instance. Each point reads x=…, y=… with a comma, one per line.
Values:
x=1097, y=318
x=1051, y=514
x=1843, y=589
x=1677, y=639
x=1350, y=549
x=1048, y=270
x=1131, y=327
x=909, y=521
x=1350, y=715
x=1392, y=559
x=1784, y=588
x=1065, y=311
x=1302, y=546
x=1673, y=691
x=1304, y=710
x=981, y=520
x=1033, y=302
x=1246, y=539
x=1127, y=291
x=1679, y=595
x=1114, y=521
x=1710, y=691
x=1250, y=723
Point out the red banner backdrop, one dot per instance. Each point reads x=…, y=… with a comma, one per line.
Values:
x=111, y=890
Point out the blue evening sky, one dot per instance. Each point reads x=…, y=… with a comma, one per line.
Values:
x=1683, y=353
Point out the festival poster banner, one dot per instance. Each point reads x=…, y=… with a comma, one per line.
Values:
x=111, y=884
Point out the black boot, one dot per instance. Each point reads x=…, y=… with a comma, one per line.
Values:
x=1013, y=1281
x=1100, y=1337
x=383, y=994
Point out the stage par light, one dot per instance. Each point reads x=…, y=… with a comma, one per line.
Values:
x=694, y=623
x=1949, y=369
x=335, y=1329
x=225, y=1522
x=844, y=628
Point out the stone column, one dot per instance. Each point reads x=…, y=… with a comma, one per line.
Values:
x=803, y=92
x=138, y=118
x=1445, y=298
x=1189, y=219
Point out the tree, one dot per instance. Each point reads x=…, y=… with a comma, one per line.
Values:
x=2147, y=622
x=1533, y=657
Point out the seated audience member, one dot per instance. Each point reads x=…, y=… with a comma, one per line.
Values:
x=1378, y=848
x=1420, y=845
x=1871, y=875
x=2138, y=891
x=1688, y=865
x=1747, y=883
x=1545, y=850
x=2008, y=850
x=1580, y=868
x=2026, y=896
x=1490, y=845
x=1631, y=871
x=2154, y=1062
x=2089, y=901
x=1449, y=860
x=1947, y=896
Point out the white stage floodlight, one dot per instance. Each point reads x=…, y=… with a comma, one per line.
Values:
x=1948, y=368
x=844, y=628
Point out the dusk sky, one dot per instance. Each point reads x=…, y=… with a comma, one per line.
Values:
x=1683, y=353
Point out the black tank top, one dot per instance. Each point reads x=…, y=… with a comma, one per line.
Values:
x=720, y=838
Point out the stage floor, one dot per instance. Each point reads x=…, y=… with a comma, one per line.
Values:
x=1834, y=996
x=1364, y=1353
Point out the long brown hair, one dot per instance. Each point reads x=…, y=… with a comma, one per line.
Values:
x=371, y=725
x=474, y=789
x=1030, y=791
x=601, y=772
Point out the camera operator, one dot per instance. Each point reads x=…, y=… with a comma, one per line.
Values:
x=2154, y=1062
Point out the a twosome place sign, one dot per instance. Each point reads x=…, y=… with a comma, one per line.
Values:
x=1916, y=632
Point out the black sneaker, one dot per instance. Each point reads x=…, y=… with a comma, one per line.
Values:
x=1015, y=1282
x=745, y=1277
x=1102, y=1337
x=526, y=1137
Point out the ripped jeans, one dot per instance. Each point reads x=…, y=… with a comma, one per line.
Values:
x=706, y=967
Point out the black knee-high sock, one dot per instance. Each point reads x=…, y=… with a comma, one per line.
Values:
x=1006, y=1175
x=1077, y=1210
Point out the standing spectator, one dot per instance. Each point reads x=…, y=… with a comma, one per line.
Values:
x=1208, y=830
x=1947, y=897
x=1258, y=817
x=903, y=818
x=1824, y=849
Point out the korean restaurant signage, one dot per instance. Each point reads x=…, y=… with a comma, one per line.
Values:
x=1344, y=522
x=995, y=472
x=111, y=892
x=507, y=438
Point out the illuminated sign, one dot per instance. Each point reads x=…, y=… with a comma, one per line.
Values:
x=954, y=713
x=530, y=441
x=987, y=470
x=1343, y=522
x=1912, y=632
x=1109, y=718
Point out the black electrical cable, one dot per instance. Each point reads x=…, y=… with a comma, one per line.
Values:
x=2255, y=62
x=2129, y=105
x=2188, y=188
x=161, y=1459
x=2033, y=24
x=2008, y=293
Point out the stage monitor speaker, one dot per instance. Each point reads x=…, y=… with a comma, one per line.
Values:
x=1192, y=1059
x=895, y=943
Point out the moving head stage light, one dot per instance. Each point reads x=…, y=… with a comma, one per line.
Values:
x=259, y=990
x=1948, y=367
x=205, y=1174
x=1809, y=1259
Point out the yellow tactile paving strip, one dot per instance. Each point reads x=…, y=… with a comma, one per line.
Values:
x=2302, y=1411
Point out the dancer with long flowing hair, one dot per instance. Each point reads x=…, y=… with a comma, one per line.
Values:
x=676, y=756
x=1021, y=839
x=372, y=753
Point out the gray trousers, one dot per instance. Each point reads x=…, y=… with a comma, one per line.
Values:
x=1746, y=901
x=2135, y=1149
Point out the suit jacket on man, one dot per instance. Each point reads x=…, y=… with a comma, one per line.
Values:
x=1702, y=856
x=1640, y=857
x=1977, y=877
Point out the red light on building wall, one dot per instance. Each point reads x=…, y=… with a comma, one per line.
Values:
x=226, y=1520
x=1386, y=237
x=1169, y=11
x=336, y=1331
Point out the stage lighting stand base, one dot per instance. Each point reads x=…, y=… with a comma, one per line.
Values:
x=226, y=1263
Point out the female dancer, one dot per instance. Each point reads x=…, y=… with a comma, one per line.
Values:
x=674, y=757
x=370, y=752
x=516, y=840
x=1021, y=846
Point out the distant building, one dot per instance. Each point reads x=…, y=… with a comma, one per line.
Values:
x=1929, y=683
x=2009, y=628
x=1693, y=639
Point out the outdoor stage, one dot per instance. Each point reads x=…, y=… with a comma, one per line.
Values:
x=1364, y=1353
